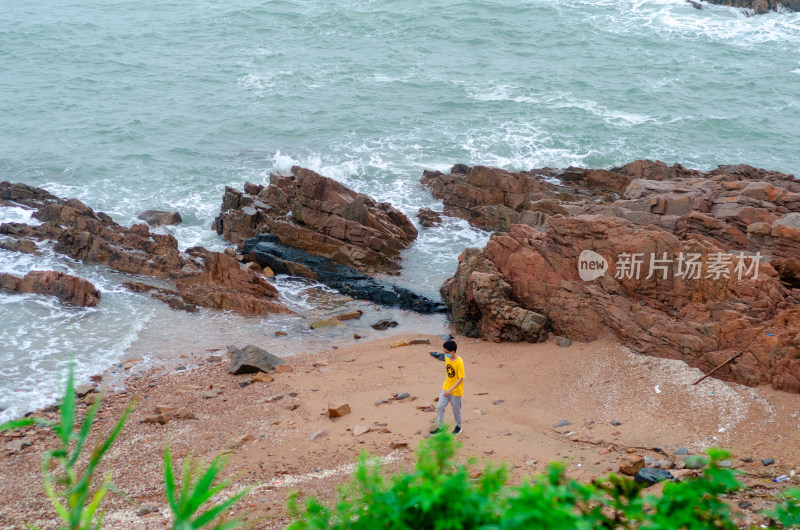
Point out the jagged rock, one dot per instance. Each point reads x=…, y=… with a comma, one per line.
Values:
x=262, y=377
x=252, y=359
x=224, y=285
x=68, y=288
x=383, y=325
x=481, y=304
x=428, y=217
x=82, y=390
x=314, y=213
x=160, y=217
x=702, y=322
x=203, y=278
x=759, y=7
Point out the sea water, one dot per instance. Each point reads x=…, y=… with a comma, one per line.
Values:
x=141, y=105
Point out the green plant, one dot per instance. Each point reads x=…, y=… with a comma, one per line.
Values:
x=787, y=513
x=70, y=489
x=197, y=488
x=441, y=495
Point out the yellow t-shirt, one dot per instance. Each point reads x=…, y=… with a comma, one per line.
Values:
x=455, y=370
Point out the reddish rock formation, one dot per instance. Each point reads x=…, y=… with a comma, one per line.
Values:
x=733, y=207
x=68, y=288
x=208, y=279
x=224, y=285
x=314, y=213
x=700, y=321
x=760, y=7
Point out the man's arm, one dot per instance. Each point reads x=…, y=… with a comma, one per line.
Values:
x=455, y=385
x=439, y=356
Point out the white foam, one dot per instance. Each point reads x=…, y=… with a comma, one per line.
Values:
x=18, y=214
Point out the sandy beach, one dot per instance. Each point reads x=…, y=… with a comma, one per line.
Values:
x=514, y=396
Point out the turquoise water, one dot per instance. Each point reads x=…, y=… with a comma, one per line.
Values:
x=136, y=105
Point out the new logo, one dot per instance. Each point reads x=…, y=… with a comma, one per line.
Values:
x=591, y=265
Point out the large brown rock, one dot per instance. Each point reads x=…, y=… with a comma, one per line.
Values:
x=225, y=285
x=319, y=215
x=68, y=288
x=701, y=321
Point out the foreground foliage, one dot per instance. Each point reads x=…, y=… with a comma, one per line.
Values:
x=77, y=501
x=440, y=495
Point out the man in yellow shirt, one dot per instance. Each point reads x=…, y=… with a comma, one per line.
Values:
x=453, y=387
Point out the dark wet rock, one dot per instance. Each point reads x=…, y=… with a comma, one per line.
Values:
x=252, y=359
x=649, y=476
x=267, y=251
x=160, y=217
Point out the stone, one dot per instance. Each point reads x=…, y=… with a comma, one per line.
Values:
x=160, y=419
x=212, y=394
x=337, y=411
x=350, y=315
x=326, y=323
x=382, y=401
x=262, y=377
x=160, y=217
x=70, y=289
x=358, y=430
x=280, y=334
x=214, y=358
x=428, y=218
x=399, y=343
x=147, y=509
x=183, y=414
x=395, y=445
x=164, y=410
x=91, y=399
x=383, y=325
x=356, y=336
x=563, y=342
x=681, y=451
x=402, y=395
x=284, y=369
x=414, y=342
x=648, y=476
x=631, y=464
x=615, y=423
x=252, y=359
x=561, y=423
x=82, y=390
x=243, y=384
x=238, y=442
x=725, y=463
x=768, y=461
x=16, y=446
x=316, y=435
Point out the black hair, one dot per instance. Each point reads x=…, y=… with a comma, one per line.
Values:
x=450, y=345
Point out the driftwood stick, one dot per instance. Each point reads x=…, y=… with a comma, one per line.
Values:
x=738, y=354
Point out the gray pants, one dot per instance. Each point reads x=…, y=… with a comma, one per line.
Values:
x=455, y=402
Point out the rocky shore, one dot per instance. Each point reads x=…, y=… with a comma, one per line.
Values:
x=701, y=266
x=759, y=7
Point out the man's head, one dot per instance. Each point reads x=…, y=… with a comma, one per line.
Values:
x=450, y=346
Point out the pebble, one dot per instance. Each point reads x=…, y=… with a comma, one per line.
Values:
x=402, y=395
x=615, y=423
x=768, y=461
x=498, y=401
x=243, y=384
x=681, y=451
x=561, y=423
x=315, y=435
